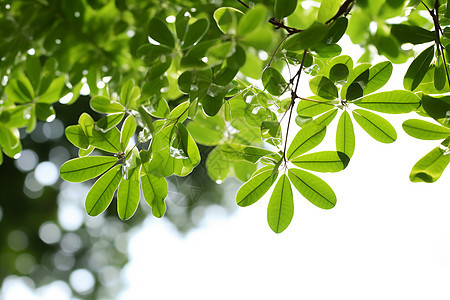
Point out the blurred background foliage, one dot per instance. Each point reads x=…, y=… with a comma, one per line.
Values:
x=45, y=233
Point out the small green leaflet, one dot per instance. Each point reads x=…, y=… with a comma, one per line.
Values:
x=392, y=102
x=128, y=129
x=424, y=130
x=324, y=161
x=306, y=139
x=430, y=167
x=327, y=9
x=379, y=75
x=314, y=189
x=345, y=135
x=159, y=31
x=306, y=39
x=274, y=82
x=253, y=19
x=155, y=190
x=255, y=188
x=323, y=87
x=412, y=34
x=103, y=104
x=85, y=168
x=418, y=69
x=376, y=126
x=128, y=195
x=284, y=8
x=281, y=205
x=101, y=193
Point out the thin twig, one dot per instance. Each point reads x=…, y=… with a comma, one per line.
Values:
x=291, y=104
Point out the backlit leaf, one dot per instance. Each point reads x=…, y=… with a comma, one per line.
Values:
x=254, y=189
x=430, y=167
x=424, y=130
x=306, y=139
x=281, y=205
x=314, y=189
x=101, y=193
x=85, y=168
x=376, y=126
x=324, y=161
x=345, y=135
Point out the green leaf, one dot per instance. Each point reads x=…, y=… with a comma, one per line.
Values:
x=182, y=23
x=207, y=130
x=345, y=135
x=9, y=140
x=101, y=193
x=281, y=205
x=217, y=54
x=324, y=161
x=85, y=168
x=430, y=167
x=393, y=102
x=376, y=126
x=379, y=75
x=313, y=106
x=20, y=89
x=128, y=195
x=155, y=190
x=412, y=34
x=195, y=32
x=337, y=30
x=128, y=129
x=159, y=31
x=424, y=130
x=109, y=121
x=437, y=107
x=326, y=118
x=439, y=74
x=53, y=93
x=306, y=139
x=107, y=141
x=314, y=189
x=227, y=19
x=418, y=69
x=129, y=94
x=238, y=152
x=327, y=9
x=306, y=39
x=338, y=72
x=323, y=87
x=255, y=188
x=44, y=112
x=218, y=167
x=284, y=8
x=253, y=19
x=274, y=82
x=85, y=152
x=76, y=136
x=187, y=146
x=103, y=104
x=33, y=70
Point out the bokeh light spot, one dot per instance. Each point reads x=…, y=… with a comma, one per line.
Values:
x=27, y=161
x=46, y=173
x=82, y=281
x=49, y=233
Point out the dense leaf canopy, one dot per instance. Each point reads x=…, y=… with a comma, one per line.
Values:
x=168, y=78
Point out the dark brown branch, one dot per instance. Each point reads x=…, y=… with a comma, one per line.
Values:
x=344, y=10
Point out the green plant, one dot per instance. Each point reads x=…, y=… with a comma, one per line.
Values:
x=174, y=74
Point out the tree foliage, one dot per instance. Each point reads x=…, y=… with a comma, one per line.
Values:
x=168, y=76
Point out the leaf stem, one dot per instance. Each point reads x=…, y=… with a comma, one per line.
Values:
x=291, y=104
